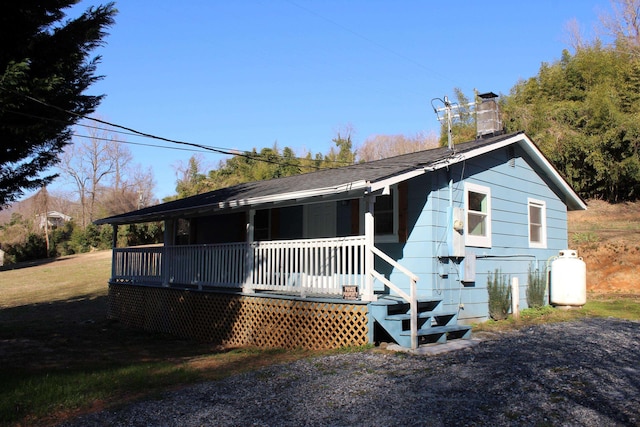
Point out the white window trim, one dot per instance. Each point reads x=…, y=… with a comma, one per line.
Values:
x=543, y=232
x=477, y=241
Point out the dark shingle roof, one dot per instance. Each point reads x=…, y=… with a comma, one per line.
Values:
x=242, y=194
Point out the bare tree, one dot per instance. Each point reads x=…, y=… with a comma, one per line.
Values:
x=574, y=37
x=121, y=157
x=106, y=180
x=87, y=164
x=72, y=164
x=623, y=23
x=134, y=190
x=382, y=146
x=41, y=205
x=143, y=184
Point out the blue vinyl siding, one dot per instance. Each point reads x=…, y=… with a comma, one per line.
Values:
x=511, y=187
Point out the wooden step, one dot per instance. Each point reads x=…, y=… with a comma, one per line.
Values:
x=392, y=317
x=407, y=316
x=438, y=319
x=443, y=319
x=440, y=334
x=396, y=305
x=402, y=322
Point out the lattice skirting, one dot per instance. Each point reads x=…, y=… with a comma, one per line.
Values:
x=239, y=320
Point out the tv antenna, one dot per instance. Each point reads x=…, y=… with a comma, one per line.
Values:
x=448, y=112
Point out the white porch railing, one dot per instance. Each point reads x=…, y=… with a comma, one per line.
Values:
x=319, y=266
x=138, y=265
x=206, y=265
x=314, y=266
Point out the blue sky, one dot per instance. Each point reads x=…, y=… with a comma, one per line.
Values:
x=249, y=73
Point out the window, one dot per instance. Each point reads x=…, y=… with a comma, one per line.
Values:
x=261, y=221
x=477, y=201
x=385, y=211
x=537, y=224
x=225, y=228
x=183, y=232
x=384, y=214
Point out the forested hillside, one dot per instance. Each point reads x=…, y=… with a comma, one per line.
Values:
x=583, y=110
x=584, y=113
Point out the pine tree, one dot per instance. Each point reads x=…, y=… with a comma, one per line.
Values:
x=45, y=69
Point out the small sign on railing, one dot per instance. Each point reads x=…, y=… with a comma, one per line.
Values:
x=350, y=292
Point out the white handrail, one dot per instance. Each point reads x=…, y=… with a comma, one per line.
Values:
x=390, y=284
x=394, y=263
x=411, y=298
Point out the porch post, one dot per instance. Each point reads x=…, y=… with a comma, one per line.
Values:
x=114, y=245
x=169, y=240
x=114, y=238
x=369, y=232
x=169, y=232
x=248, y=255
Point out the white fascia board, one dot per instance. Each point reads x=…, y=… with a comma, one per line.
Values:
x=296, y=195
x=535, y=153
x=231, y=204
x=530, y=148
x=387, y=182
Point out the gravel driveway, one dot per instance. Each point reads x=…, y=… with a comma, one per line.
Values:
x=583, y=373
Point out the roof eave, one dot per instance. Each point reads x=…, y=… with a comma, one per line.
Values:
x=350, y=187
x=572, y=199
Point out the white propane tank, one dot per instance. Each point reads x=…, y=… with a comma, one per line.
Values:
x=568, y=285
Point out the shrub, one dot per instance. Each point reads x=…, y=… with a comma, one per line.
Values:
x=140, y=234
x=32, y=248
x=92, y=237
x=499, y=295
x=59, y=239
x=536, y=288
x=79, y=242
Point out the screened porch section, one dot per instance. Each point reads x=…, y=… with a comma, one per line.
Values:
x=304, y=267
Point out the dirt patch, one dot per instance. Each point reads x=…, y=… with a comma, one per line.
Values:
x=607, y=237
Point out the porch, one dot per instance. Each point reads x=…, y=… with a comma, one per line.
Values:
x=319, y=267
x=330, y=285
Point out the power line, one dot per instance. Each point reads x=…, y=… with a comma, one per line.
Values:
x=77, y=135
x=119, y=132
x=134, y=132
x=249, y=155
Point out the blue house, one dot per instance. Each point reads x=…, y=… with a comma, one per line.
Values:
x=397, y=249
